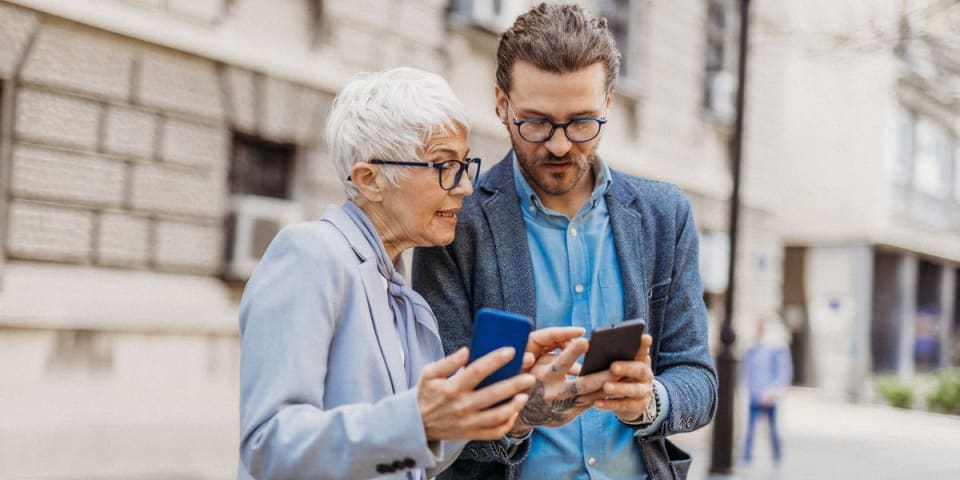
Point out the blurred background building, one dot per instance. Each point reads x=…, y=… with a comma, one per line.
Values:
x=150, y=149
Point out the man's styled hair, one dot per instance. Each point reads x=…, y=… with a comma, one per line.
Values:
x=559, y=39
x=389, y=115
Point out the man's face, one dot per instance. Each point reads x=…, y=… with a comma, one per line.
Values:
x=557, y=167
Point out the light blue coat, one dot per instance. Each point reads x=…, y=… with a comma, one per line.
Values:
x=323, y=388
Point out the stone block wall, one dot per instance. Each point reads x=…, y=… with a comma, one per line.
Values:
x=119, y=150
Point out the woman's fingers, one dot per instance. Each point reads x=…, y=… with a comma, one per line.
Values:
x=482, y=367
x=446, y=366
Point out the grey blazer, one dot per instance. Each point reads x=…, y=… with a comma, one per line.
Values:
x=323, y=388
x=488, y=265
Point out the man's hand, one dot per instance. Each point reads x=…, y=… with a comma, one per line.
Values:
x=546, y=340
x=556, y=400
x=631, y=389
x=452, y=410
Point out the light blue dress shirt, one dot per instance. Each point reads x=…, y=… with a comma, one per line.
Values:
x=577, y=282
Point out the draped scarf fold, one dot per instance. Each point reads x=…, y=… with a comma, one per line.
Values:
x=414, y=320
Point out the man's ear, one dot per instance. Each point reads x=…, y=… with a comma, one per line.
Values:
x=368, y=180
x=501, y=105
x=609, y=101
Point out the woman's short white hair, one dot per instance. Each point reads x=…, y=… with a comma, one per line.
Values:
x=389, y=115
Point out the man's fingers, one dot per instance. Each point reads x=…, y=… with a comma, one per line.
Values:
x=482, y=368
x=575, y=370
x=633, y=370
x=593, y=382
x=568, y=356
x=643, y=353
x=548, y=339
x=631, y=405
x=629, y=390
x=446, y=366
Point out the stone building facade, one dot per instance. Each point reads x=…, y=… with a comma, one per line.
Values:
x=150, y=148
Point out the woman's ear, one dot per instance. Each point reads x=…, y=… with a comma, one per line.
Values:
x=368, y=180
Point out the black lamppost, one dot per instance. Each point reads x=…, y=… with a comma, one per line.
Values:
x=721, y=461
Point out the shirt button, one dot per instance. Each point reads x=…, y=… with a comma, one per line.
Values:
x=532, y=209
x=573, y=232
x=578, y=288
x=592, y=461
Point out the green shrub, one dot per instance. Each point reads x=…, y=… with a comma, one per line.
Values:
x=896, y=392
x=945, y=397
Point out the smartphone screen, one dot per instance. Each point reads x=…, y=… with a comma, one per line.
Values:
x=611, y=344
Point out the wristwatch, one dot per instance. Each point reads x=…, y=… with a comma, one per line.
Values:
x=649, y=415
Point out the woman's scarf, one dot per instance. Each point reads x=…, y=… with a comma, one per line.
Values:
x=414, y=320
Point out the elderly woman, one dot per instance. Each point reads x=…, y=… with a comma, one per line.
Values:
x=342, y=370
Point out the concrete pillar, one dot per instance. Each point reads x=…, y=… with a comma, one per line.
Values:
x=948, y=302
x=862, y=289
x=907, y=278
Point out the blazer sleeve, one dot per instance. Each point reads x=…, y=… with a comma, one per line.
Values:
x=437, y=276
x=684, y=365
x=288, y=316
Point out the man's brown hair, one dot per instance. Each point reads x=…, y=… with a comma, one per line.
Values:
x=559, y=39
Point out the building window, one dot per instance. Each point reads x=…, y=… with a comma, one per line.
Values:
x=261, y=191
x=720, y=62
x=492, y=15
x=262, y=168
x=617, y=13
x=903, y=169
x=932, y=160
x=318, y=28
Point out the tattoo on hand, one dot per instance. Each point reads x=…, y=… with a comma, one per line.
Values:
x=537, y=412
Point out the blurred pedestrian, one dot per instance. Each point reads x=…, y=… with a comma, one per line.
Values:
x=767, y=370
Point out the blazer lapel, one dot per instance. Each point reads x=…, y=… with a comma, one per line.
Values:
x=625, y=222
x=505, y=221
x=382, y=319
x=373, y=283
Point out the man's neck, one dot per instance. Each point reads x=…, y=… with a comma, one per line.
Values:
x=571, y=202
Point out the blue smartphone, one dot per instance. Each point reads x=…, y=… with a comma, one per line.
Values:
x=493, y=329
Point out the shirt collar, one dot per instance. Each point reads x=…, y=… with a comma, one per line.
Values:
x=530, y=202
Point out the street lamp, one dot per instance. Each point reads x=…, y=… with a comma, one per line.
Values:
x=721, y=461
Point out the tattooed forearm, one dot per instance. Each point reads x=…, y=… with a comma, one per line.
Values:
x=564, y=404
x=538, y=412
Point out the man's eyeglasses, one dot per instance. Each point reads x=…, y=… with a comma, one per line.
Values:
x=449, y=172
x=577, y=130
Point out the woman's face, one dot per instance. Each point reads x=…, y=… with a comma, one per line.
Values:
x=422, y=213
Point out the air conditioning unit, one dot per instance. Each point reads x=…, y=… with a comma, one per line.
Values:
x=253, y=222
x=720, y=90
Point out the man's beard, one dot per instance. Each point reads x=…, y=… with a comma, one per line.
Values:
x=582, y=161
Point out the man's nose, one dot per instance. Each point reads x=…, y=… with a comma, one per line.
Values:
x=559, y=144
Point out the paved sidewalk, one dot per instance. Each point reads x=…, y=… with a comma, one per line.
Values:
x=825, y=437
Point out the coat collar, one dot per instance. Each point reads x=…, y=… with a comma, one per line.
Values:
x=501, y=207
x=374, y=286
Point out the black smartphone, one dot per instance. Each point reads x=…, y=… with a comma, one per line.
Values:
x=493, y=329
x=613, y=343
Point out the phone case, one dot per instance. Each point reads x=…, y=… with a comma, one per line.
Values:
x=493, y=329
x=613, y=343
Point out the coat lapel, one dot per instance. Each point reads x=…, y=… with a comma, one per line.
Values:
x=505, y=222
x=625, y=222
x=373, y=283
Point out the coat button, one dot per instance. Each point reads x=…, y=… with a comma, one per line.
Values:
x=399, y=465
x=384, y=468
x=409, y=462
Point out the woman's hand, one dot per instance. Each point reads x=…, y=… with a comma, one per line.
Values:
x=452, y=410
